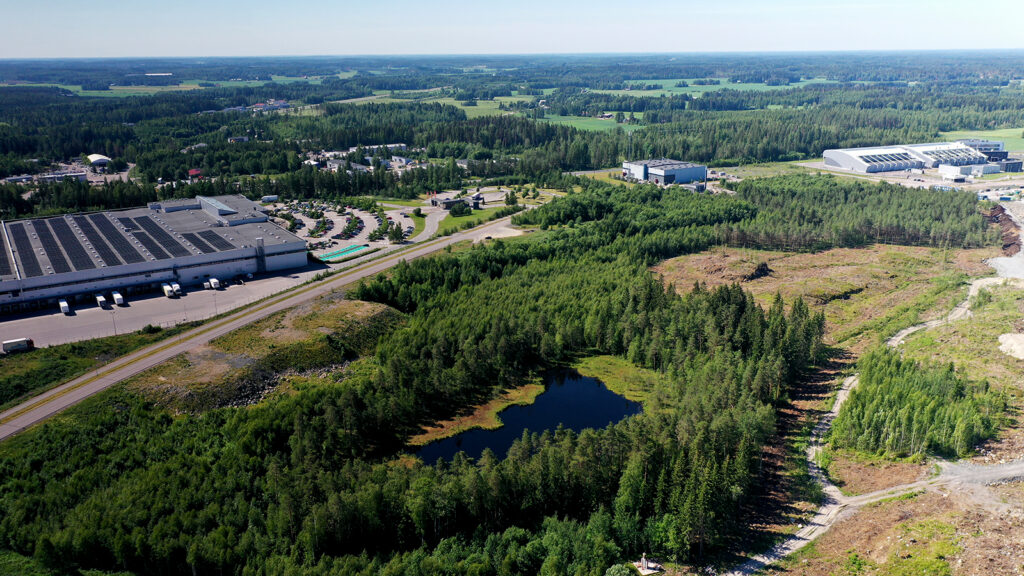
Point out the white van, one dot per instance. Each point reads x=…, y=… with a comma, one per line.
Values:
x=214, y=283
x=118, y=299
x=64, y=308
x=168, y=291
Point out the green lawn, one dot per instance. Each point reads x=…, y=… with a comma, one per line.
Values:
x=586, y=123
x=419, y=222
x=409, y=203
x=455, y=223
x=1013, y=137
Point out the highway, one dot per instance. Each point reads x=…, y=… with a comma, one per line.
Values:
x=45, y=405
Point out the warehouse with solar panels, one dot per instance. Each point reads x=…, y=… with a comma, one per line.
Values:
x=183, y=240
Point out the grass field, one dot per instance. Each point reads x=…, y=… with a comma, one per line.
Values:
x=608, y=176
x=1013, y=137
x=485, y=416
x=669, y=87
x=586, y=123
x=455, y=223
x=29, y=373
x=191, y=84
x=620, y=375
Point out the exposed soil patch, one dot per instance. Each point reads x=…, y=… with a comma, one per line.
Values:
x=858, y=476
x=1010, y=234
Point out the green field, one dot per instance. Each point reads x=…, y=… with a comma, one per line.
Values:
x=587, y=123
x=669, y=87
x=482, y=108
x=191, y=84
x=1013, y=137
x=455, y=223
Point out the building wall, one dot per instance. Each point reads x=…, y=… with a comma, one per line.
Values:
x=686, y=175
x=635, y=171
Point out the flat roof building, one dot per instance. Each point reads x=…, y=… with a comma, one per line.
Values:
x=895, y=158
x=179, y=240
x=664, y=171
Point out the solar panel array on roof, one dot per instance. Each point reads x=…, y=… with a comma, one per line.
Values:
x=216, y=240
x=152, y=246
x=50, y=246
x=29, y=262
x=98, y=244
x=199, y=243
x=128, y=224
x=72, y=245
x=5, y=263
x=128, y=253
x=161, y=236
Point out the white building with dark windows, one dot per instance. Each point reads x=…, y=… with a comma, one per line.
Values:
x=186, y=241
x=664, y=171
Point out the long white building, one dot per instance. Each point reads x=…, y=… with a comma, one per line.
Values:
x=903, y=157
x=184, y=240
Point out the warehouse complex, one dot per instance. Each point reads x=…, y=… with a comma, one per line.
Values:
x=664, y=171
x=183, y=240
x=983, y=156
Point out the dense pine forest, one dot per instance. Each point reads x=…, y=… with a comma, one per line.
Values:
x=902, y=408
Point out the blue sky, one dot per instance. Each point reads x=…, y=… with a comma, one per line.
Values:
x=102, y=28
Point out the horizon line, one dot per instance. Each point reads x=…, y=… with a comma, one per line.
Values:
x=850, y=51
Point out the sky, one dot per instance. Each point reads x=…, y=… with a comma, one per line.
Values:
x=143, y=28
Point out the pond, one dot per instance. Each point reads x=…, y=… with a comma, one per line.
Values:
x=569, y=399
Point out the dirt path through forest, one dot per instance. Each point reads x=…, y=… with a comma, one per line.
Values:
x=951, y=474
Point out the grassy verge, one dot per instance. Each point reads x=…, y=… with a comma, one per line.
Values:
x=419, y=223
x=452, y=224
x=620, y=376
x=485, y=416
x=30, y=373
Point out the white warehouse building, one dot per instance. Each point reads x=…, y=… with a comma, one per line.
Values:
x=183, y=240
x=664, y=171
x=903, y=157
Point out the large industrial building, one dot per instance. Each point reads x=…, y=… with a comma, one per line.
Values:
x=183, y=240
x=904, y=157
x=664, y=171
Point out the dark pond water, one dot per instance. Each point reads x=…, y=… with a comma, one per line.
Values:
x=574, y=401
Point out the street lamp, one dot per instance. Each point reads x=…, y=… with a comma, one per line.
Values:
x=112, y=321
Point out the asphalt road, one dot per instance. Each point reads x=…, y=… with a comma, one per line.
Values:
x=41, y=407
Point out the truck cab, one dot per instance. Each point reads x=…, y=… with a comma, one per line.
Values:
x=101, y=301
x=64, y=307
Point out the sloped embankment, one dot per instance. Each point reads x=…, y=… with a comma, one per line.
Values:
x=242, y=367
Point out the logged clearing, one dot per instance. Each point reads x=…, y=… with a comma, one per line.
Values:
x=855, y=474
x=314, y=342
x=866, y=293
x=973, y=344
x=932, y=533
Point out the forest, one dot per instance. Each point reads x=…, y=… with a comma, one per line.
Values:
x=319, y=481
x=903, y=408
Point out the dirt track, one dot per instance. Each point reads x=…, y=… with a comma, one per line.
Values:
x=951, y=474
